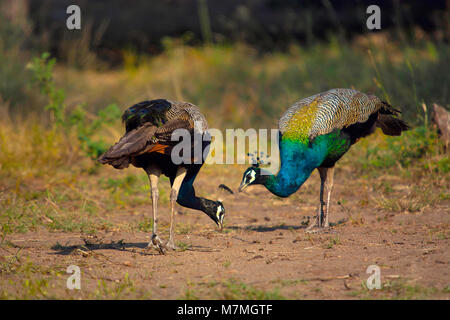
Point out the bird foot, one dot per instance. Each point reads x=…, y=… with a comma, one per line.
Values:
x=157, y=244
x=171, y=245
x=313, y=226
x=314, y=229
x=317, y=229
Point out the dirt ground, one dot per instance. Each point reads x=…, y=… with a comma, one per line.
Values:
x=262, y=253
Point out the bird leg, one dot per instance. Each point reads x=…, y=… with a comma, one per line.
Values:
x=326, y=182
x=181, y=173
x=328, y=187
x=317, y=222
x=153, y=175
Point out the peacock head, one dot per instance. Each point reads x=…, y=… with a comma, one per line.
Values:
x=216, y=212
x=251, y=176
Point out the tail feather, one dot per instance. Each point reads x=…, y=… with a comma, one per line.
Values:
x=388, y=109
x=130, y=144
x=387, y=121
x=120, y=163
x=391, y=126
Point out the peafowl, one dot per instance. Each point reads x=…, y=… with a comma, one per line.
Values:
x=147, y=144
x=315, y=133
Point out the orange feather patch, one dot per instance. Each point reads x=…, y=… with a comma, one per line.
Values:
x=159, y=148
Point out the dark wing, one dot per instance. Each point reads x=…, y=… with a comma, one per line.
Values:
x=153, y=111
x=164, y=133
x=133, y=142
x=149, y=127
x=147, y=138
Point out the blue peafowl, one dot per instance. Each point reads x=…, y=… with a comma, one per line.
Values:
x=315, y=133
x=147, y=144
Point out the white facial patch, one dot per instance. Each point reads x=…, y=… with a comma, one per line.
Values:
x=219, y=211
x=252, y=175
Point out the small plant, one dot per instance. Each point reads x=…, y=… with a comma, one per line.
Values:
x=190, y=294
x=77, y=119
x=119, y=290
x=42, y=68
x=332, y=242
x=34, y=288
x=183, y=246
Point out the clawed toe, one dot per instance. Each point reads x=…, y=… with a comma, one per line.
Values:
x=316, y=229
x=157, y=244
x=312, y=226
x=171, y=245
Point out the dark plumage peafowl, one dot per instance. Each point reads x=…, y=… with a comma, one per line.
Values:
x=315, y=133
x=147, y=144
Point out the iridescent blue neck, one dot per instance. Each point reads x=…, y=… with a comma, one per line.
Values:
x=298, y=160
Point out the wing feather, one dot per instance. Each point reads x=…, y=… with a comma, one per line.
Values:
x=149, y=129
x=131, y=143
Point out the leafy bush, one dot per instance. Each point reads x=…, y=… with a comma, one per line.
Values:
x=42, y=68
x=77, y=119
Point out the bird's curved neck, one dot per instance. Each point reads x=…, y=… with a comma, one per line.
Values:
x=188, y=199
x=298, y=160
x=193, y=202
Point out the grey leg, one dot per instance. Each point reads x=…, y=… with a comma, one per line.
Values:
x=153, y=175
x=320, y=218
x=181, y=173
x=329, y=188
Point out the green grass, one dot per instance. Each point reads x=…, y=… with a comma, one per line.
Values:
x=21, y=216
x=23, y=279
x=35, y=282
x=237, y=290
x=291, y=282
x=400, y=289
x=183, y=246
x=119, y=290
x=231, y=289
x=419, y=147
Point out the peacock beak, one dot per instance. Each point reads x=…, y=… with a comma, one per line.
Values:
x=242, y=186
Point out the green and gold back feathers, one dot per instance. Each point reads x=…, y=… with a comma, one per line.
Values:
x=336, y=109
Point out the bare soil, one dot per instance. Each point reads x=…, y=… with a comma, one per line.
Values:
x=263, y=251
